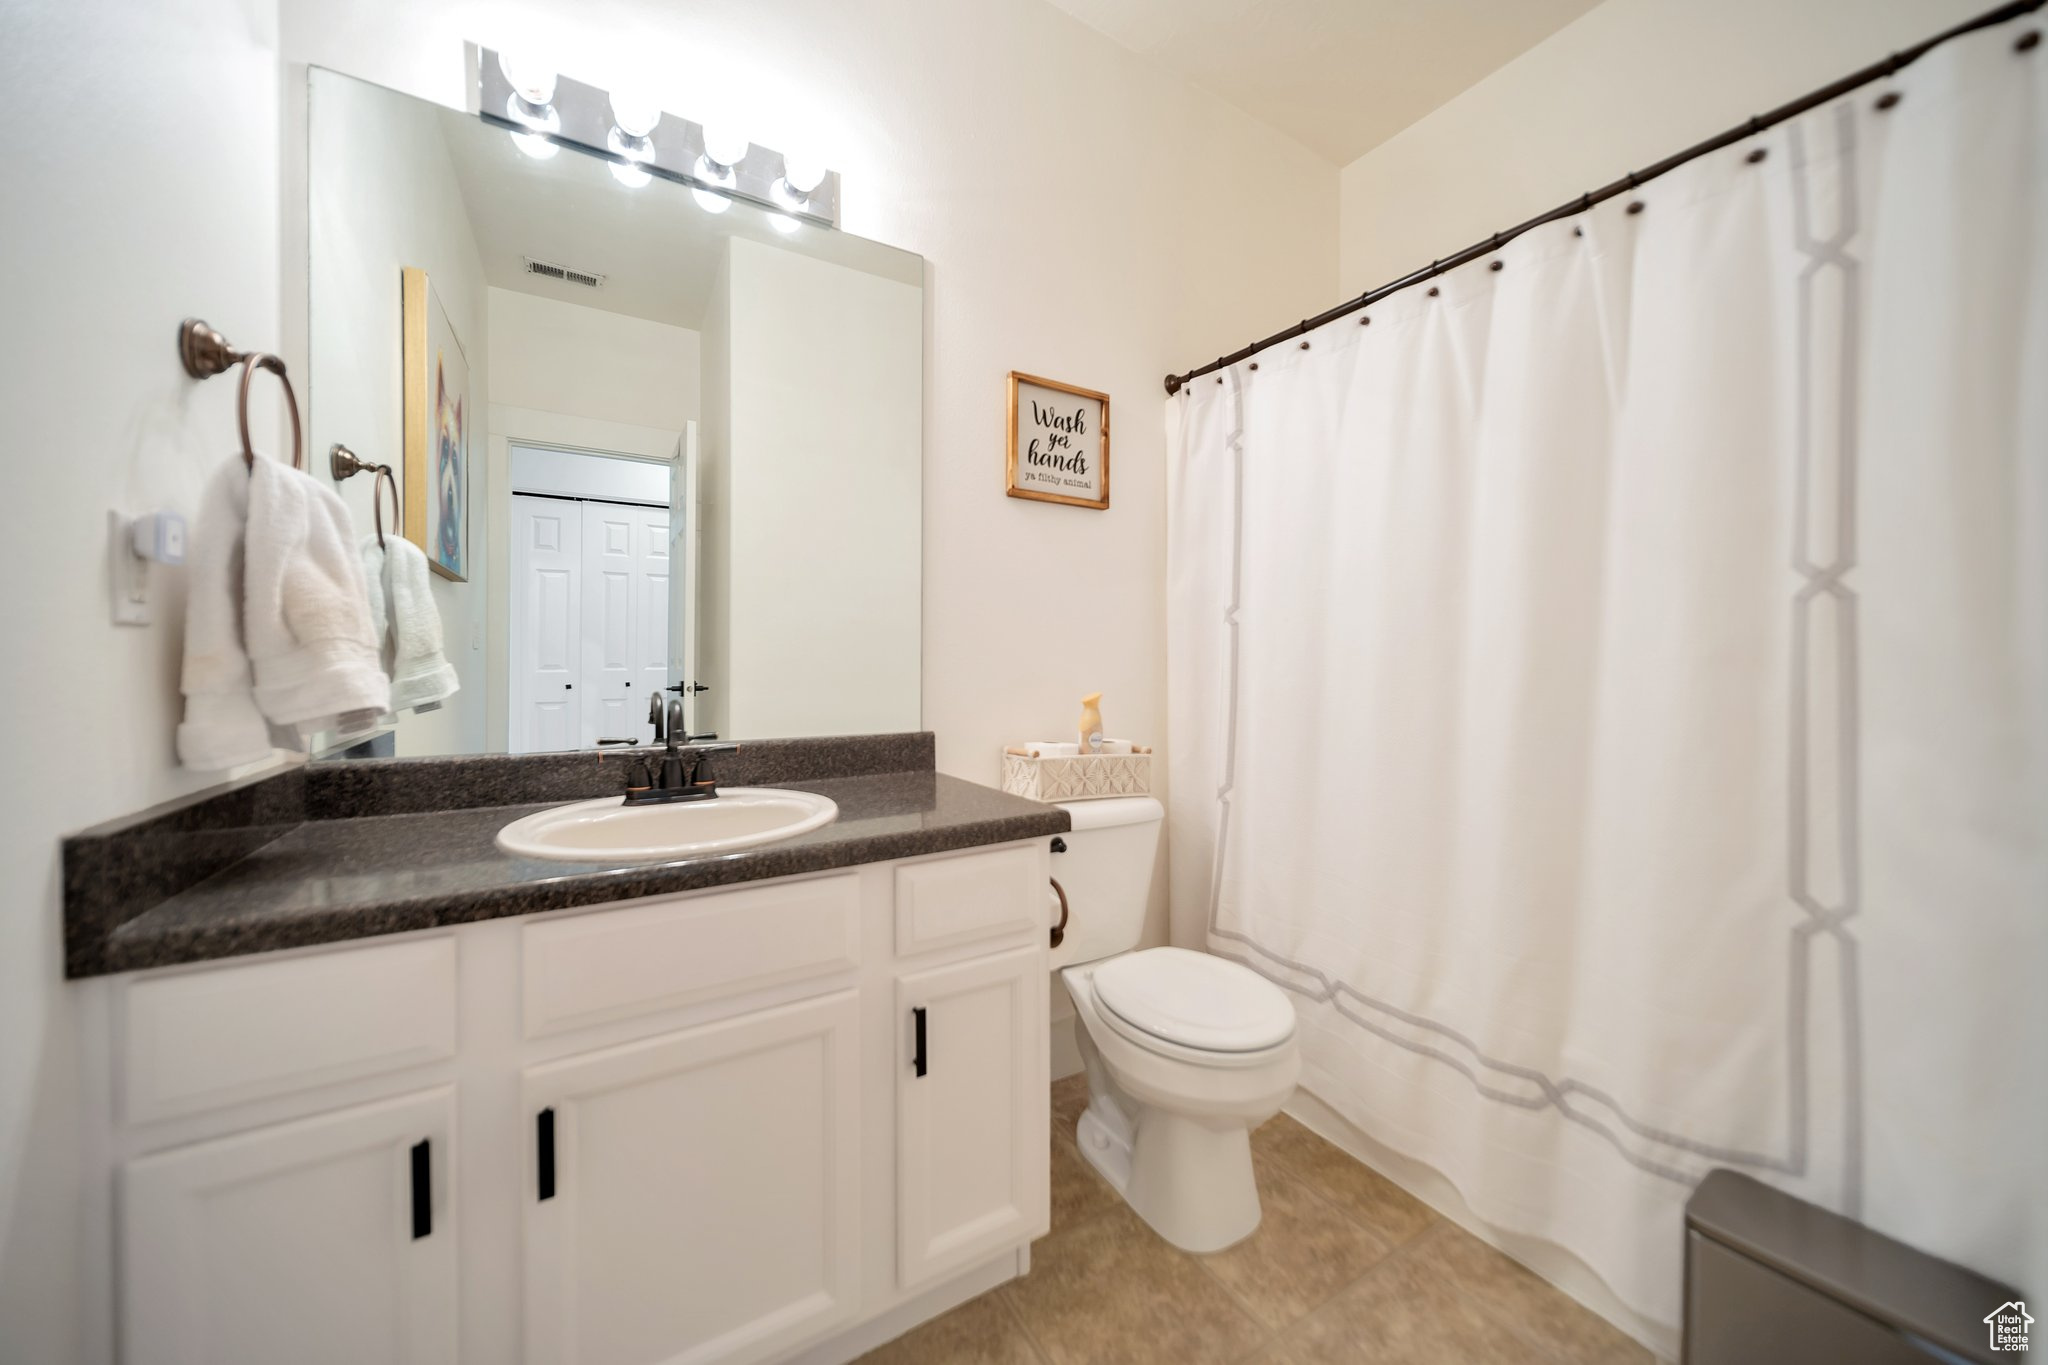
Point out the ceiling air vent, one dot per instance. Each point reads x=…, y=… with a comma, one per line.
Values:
x=562, y=273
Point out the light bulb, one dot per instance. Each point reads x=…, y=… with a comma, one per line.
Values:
x=632, y=177
x=783, y=223
x=801, y=173
x=634, y=115
x=723, y=146
x=534, y=145
x=709, y=202
x=532, y=81
x=631, y=148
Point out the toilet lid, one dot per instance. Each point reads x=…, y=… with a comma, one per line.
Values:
x=1196, y=1000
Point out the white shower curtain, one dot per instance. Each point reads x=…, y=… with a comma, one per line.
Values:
x=1610, y=690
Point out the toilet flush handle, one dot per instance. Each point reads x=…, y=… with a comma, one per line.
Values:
x=1059, y=931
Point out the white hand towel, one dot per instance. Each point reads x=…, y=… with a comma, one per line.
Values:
x=305, y=607
x=222, y=727
x=421, y=676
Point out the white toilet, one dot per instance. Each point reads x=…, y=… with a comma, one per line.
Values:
x=1186, y=1053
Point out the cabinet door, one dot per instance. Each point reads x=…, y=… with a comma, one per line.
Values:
x=703, y=1198
x=972, y=1128
x=330, y=1239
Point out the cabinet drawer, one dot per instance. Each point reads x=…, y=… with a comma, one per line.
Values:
x=614, y=964
x=964, y=899
x=208, y=1039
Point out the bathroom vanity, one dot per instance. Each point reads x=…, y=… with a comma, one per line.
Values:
x=380, y=1091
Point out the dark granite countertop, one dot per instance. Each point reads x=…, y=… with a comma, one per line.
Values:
x=278, y=875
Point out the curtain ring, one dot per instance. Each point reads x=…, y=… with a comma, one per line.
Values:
x=264, y=360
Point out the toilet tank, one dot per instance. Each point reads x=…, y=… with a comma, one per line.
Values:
x=1107, y=875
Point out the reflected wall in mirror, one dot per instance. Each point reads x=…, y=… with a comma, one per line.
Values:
x=695, y=435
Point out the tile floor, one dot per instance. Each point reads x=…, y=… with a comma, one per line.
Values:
x=1346, y=1267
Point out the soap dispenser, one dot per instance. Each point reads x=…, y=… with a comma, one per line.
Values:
x=1091, y=723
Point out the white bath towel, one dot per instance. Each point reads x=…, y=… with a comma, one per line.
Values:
x=407, y=624
x=222, y=727
x=277, y=620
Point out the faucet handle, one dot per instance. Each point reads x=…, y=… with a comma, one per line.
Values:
x=654, y=713
x=700, y=766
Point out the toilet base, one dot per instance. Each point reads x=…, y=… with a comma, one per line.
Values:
x=1190, y=1181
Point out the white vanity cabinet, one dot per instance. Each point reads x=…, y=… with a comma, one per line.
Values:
x=972, y=1135
x=691, y=1129
x=329, y=1239
x=696, y=1196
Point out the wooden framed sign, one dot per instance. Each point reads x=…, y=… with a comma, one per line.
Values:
x=1059, y=442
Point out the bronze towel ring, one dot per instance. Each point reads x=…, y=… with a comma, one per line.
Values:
x=344, y=463
x=207, y=353
x=1059, y=931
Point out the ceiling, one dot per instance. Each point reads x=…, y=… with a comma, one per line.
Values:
x=1339, y=76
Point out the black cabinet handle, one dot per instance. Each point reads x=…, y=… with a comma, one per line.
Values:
x=422, y=1190
x=544, y=1138
x=918, y=1060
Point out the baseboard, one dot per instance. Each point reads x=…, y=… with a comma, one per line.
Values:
x=1553, y=1263
x=857, y=1341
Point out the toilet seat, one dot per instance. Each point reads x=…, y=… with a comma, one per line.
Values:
x=1193, y=1005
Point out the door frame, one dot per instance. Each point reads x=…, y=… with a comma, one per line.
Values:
x=539, y=430
x=644, y=445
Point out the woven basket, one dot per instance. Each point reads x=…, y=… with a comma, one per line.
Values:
x=1084, y=777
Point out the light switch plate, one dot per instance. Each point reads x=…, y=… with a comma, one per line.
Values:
x=127, y=573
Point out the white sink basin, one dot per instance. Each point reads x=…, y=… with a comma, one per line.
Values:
x=609, y=831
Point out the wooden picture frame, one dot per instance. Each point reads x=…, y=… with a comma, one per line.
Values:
x=439, y=427
x=1059, y=448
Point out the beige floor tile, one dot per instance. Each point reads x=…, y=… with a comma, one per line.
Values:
x=1390, y=1211
x=981, y=1331
x=1110, y=1292
x=1402, y=1313
x=1078, y=1193
x=1069, y=1098
x=1304, y=1251
x=1523, y=1302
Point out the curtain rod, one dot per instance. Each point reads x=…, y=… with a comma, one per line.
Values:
x=1876, y=71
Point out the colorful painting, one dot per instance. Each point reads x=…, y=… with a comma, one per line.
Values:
x=438, y=421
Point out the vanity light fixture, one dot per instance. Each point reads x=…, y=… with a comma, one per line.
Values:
x=529, y=105
x=545, y=111
x=633, y=120
x=531, y=82
x=724, y=148
x=534, y=145
x=801, y=176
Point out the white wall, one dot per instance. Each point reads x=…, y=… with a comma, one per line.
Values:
x=709, y=713
x=822, y=485
x=172, y=211
x=562, y=374
x=561, y=357
x=384, y=197
x=1626, y=84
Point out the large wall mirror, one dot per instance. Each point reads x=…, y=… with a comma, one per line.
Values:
x=651, y=443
